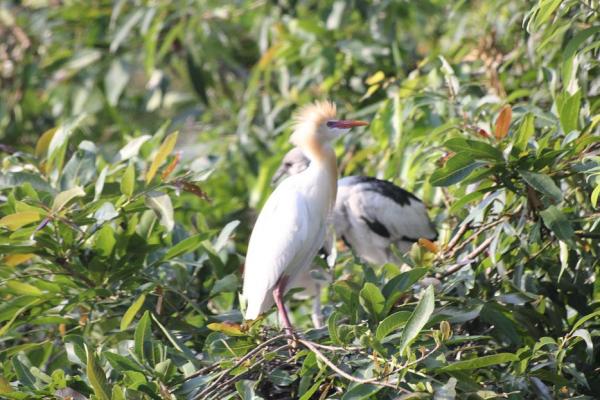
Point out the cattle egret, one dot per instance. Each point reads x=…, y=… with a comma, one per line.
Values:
x=291, y=227
x=370, y=214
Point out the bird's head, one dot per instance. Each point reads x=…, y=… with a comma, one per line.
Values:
x=293, y=163
x=317, y=125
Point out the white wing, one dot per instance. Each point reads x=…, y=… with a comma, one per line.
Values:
x=278, y=245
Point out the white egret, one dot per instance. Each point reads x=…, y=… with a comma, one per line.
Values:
x=291, y=227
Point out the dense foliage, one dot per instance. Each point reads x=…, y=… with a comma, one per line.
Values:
x=138, y=140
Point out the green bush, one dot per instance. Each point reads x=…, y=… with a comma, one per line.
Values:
x=138, y=142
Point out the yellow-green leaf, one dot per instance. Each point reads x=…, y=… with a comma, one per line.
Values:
x=164, y=150
x=97, y=377
x=5, y=385
x=43, y=142
x=132, y=311
x=17, y=220
x=7, y=326
x=63, y=198
x=128, y=181
x=375, y=78
x=23, y=288
x=13, y=260
x=228, y=328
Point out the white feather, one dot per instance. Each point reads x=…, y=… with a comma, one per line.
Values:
x=286, y=237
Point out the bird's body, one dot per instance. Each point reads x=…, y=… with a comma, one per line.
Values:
x=288, y=221
x=291, y=227
x=372, y=215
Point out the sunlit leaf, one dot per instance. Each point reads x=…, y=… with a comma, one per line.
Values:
x=161, y=155
x=41, y=147
x=228, y=328
x=13, y=260
x=503, y=122
x=17, y=220
x=128, y=181
x=162, y=206
x=63, y=198
x=131, y=312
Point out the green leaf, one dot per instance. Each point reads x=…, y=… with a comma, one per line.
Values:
x=63, y=198
x=162, y=206
x=185, y=246
x=19, y=219
x=361, y=392
x=25, y=377
x=245, y=389
x=545, y=8
x=132, y=19
x=131, y=149
x=475, y=149
x=372, y=300
x=121, y=363
x=163, y=152
x=132, y=311
x=583, y=320
x=542, y=183
x=456, y=169
x=587, y=338
x=142, y=337
x=392, y=323
x=570, y=52
x=402, y=282
x=525, y=132
x=15, y=315
x=177, y=344
x=568, y=106
x=96, y=376
x=595, y=195
x=418, y=319
x=332, y=327
x=557, y=221
x=23, y=288
x=115, y=81
x=58, y=144
x=229, y=283
x=480, y=362
x=105, y=241
x=128, y=180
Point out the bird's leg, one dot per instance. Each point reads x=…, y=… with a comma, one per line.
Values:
x=278, y=292
x=317, y=314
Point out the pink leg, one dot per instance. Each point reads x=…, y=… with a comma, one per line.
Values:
x=278, y=292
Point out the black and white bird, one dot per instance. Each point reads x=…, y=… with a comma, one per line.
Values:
x=371, y=215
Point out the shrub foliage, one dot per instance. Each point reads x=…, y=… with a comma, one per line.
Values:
x=138, y=142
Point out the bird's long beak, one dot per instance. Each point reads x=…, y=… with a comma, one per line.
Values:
x=348, y=123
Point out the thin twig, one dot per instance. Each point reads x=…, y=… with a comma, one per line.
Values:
x=375, y=381
x=233, y=379
x=453, y=242
x=469, y=258
x=250, y=354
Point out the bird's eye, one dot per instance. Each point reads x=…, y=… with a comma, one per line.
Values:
x=287, y=164
x=330, y=124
